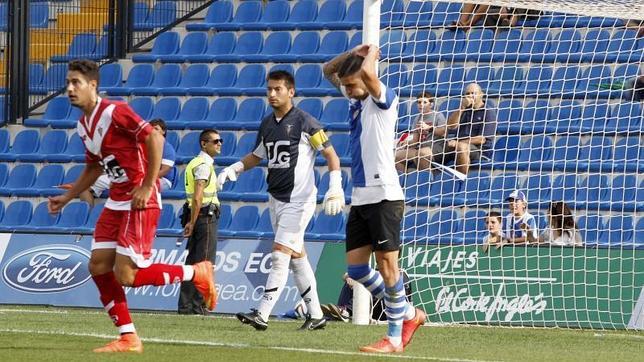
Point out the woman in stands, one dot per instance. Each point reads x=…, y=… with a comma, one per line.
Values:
x=562, y=230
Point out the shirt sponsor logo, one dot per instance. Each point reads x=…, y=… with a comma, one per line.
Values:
x=47, y=269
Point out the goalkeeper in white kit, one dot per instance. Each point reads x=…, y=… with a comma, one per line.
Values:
x=289, y=139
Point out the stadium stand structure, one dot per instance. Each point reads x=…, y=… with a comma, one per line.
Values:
x=212, y=73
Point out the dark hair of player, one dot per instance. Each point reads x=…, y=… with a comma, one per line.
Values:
x=87, y=68
x=350, y=65
x=287, y=77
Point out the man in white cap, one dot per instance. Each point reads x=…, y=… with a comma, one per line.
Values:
x=518, y=216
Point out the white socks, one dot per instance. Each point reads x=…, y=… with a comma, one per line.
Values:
x=275, y=283
x=307, y=285
x=188, y=272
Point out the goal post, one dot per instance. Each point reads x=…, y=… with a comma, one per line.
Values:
x=563, y=84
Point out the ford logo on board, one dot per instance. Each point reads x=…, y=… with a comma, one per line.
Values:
x=47, y=269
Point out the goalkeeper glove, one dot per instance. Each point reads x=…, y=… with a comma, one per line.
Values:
x=334, y=197
x=229, y=173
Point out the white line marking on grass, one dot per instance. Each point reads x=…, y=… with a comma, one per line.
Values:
x=619, y=335
x=235, y=345
x=482, y=277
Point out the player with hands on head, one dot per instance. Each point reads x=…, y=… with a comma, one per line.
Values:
x=289, y=139
x=377, y=200
x=129, y=149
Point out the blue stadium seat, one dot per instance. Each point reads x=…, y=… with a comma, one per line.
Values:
x=479, y=43
x=450, y=43
x=219, y=12
x=444, y=225
x=166, y=219
x=222, y=76
x=423, y=77
x=162, y=14
x=193, y=115
x=628, y=118
x=564, y=188
x=195, y=76
x=417, y=13
x=538, y=80
x=220, y=44
x=306, y=42
x=591, y=190
x=248, y=12
x=567, y=42
x=564, y=80
x=593, y=228
x=222, y=111
x=450, y=81
x=330, y=12
x=227, y=149
x=251, y=81
x=352, y=18
x=593, y=44
x=111, y=75
x=102, y=49
x=45, y=184
x=538, y=189
x=620, y=230
x=482, y=75
x=622, y=46
x=178, y=190
x=168, y=76
x=41, y=219
x=75, y=151
x=502, y=185
x=625, y=72
x=57, y=110
x=26, y=142
x=622, y=193
x=193, y=44
x=73, y=216
x=535, y=116
x=142, y=106
x=245, y=218
x=595, y=152
x=167, y=43
x=395, y=77
x=276, y=44
x=415, y=225
x=173, y=139
x=141, y=75
x=249, y=114
x=167, y=108
x=335, y=116
x=416, y=186
x=4, y=173
x=53, y=80
x=392, y=44
x=421, y=43
x=275, y=12
x=506, y=149
x=141, y=13
x=21, y=176
x=535, y=44
x=225, y=220
x=506, y=80
x=445, y=13
x=36, y=75
x=474, y=229
x=328, y=228
x=73, y=173
x=250, y=186
x=312, y=106
x=506, y=46
x=83, y=45
x=245, y=144
x=308, y=78
x=595, y=117
x=565, y=118
x=189, y=147
x=53, y=143
x=334, y=42
x=248, y=43
x=392, y=13
x=627, y=155
x=303, y=11
x=17, y=213
x=508, y=113
x=444, y=190
x=476, y=189
x=448, y=106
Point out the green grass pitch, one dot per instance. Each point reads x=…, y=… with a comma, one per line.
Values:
x=64, y=334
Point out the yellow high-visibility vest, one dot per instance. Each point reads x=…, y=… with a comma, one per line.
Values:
x=209, y=192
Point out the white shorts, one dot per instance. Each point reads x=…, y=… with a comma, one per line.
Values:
x=290, y=220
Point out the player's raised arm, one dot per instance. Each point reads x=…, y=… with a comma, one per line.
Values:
x=368, y=73
x=233, y=171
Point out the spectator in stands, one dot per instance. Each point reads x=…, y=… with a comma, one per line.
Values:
x=471, y=130
x=493, y=222
x=562, y=230
x=491, y=16
x=423, y=142
x=519, y=222
x=167, y=173
x=634, y=89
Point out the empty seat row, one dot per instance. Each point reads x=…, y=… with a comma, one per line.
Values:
x=592, y=192
x=592, y=82
x=38, y=16
x=423, y=45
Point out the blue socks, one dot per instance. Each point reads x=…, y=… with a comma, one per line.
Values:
x=371, y=279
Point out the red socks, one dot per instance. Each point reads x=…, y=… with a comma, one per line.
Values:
x=113, y=299
x=158, y=274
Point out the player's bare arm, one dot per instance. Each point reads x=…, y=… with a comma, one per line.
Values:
x=89, y=175
x=331, y=68
x=154, y=146
x=197, y=196
x=250, y=161
x=368, y=73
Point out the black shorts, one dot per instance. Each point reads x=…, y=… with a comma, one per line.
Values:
x=377, y=225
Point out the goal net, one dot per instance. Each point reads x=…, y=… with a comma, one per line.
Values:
x=558, y=120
